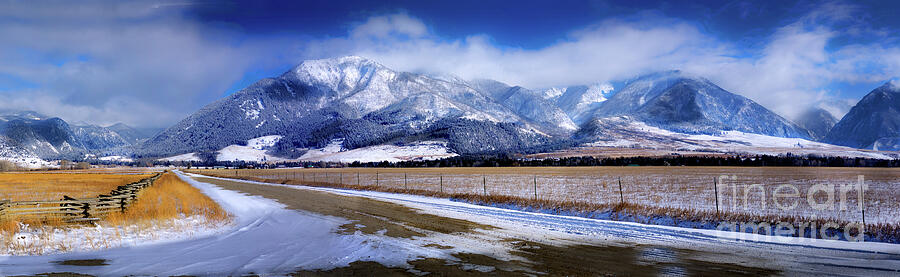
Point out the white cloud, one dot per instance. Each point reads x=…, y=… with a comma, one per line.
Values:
x=146, y=64
x=387, y=25
x=109, y=62
x=795, y=66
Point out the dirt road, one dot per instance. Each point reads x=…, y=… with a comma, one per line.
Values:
x=518, y=251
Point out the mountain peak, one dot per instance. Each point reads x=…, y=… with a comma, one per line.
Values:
x=873, y=123
x=893, y=84
x=687, y=103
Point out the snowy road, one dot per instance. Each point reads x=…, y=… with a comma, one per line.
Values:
x=269, y=237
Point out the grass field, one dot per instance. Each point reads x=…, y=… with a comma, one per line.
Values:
x=680, y=191
x=169, y=205
x=52, y=186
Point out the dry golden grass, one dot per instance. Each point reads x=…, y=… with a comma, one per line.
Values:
x=168, y=198
x=52, y=186
x=157, y=206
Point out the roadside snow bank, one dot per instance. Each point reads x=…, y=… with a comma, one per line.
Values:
x=53, y=240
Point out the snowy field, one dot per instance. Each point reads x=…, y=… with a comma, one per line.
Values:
x=691, y=188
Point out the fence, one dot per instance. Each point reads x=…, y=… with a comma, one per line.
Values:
x=75, y=210
x=694, y=189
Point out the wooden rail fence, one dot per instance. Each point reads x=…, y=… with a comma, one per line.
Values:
x=75, y=210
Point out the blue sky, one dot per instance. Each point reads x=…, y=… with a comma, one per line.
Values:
x=153, y=63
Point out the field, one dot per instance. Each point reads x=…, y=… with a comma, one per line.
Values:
x=168, y=205
x=688, y=192
x=53, y=186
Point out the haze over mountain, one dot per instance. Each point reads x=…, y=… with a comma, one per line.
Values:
x=874, y=123
x=817, y=121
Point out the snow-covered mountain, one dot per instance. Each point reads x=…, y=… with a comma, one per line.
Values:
x=874, y=123
x=817, y=121
x=530, y=104
x=680, y=102
x=580, y=102
x=130, y=134
x=360, y=101
x=26, y=136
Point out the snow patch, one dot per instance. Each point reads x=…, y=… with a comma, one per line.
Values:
x=116, y=159
x=255, y=150
x=189, y=157
x=640, y=135
x=424, y=150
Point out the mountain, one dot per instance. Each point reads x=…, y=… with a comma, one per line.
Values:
x=50, y=137
x=817, y=121
x=362, y=103
x=580, y=102
x=27, y=136
x=93, y=137
x=679, y=102
x=874, y=123
x=531, y=105
x=130, y=134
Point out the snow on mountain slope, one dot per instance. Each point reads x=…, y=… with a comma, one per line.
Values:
x=424, y=150
x=189, y=157
x=685, y=103
x=348, y=98
x=527, y=103
x=873, y=122
x=255, y=151
x=580, y=102
x=625, y=132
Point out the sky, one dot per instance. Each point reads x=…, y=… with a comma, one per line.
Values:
x=151, y=64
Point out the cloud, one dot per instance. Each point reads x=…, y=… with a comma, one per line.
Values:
x=609, y=50
x=796, y=64
x=150, y=64
x=388, y=25
x=137, y=63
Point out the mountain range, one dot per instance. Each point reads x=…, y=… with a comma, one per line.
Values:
x=332, y=105
x=28, y=135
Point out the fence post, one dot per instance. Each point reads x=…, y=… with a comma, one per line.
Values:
x=621, y=195
x=357, y=178
x=442, y=183
x=376, y=178
x=85, y=207
x=716, y=190
x=535, y=187
x=405, y=182
x=484, y=185
x=3, y=204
